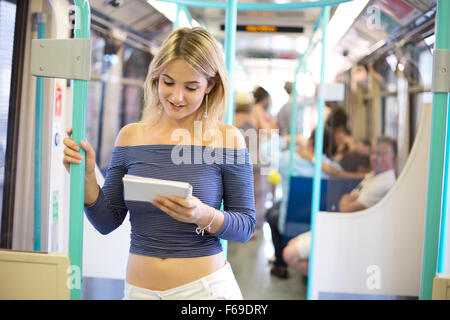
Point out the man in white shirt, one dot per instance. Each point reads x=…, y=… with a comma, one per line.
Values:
x=377, y=183
x=371, y=189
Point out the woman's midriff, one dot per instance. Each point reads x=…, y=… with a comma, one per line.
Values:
x=165, y=273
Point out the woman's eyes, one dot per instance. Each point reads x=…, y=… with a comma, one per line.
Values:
x=171, y=83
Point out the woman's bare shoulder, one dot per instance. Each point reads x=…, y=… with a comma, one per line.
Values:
x=129, y=135
x=232, y=136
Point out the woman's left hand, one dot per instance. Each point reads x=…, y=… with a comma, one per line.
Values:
x=190, y=210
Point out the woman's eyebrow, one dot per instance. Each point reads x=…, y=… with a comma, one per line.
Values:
x=192, y=82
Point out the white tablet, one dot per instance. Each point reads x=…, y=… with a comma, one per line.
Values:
x=138, y=188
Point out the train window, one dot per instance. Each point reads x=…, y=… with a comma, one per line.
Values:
x=381, y=115
x=7, y=26
x=425, y=63
x=132, y=103
x=93, y=112
x=135, y=63
x=115, y=95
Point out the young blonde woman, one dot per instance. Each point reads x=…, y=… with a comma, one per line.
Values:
x=175, y=250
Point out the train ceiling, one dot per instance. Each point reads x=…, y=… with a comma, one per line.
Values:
x=373, y=27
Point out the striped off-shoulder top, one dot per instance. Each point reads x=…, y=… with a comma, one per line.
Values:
x=215, y=174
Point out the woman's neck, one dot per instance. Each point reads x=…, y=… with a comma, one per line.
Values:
x=189, y=130
x=170, y=124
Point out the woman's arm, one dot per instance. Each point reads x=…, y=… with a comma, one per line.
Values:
x=108, y=210
x=238, y=195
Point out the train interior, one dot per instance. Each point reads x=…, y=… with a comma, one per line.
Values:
x=377, y=83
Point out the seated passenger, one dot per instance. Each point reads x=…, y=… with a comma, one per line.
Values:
x=342, y=142
x=302, y=166
x=366, y=194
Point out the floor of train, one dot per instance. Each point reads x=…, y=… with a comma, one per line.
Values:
x=250, y=264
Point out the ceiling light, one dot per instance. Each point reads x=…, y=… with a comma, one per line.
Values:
x=169, y=10
x=301, y=44
x=342, y=20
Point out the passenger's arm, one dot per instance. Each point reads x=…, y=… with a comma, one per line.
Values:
x=349, y=203
x=335, y=172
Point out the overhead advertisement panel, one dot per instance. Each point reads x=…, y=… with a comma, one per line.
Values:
x=399, y=10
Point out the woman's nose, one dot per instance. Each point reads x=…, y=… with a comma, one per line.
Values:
x=177, y=94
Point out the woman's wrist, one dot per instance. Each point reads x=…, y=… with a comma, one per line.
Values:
x=206, y=218
x=91, y=190
x=212, y=221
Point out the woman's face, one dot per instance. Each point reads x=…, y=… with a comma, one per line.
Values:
x=339, y=137
x=181, y=89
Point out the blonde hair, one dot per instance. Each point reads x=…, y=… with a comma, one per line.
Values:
x=200, y=50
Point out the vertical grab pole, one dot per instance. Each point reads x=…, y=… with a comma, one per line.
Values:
x=436, y=170
x=444, y=44
x=39, y=119
x=176, y=24
x=318, y=147
x=294, y=117
x=82, y=30
x=230, y=52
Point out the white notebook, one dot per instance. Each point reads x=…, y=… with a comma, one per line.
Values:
x=138, y=188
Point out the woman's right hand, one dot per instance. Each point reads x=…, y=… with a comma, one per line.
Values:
x=71, y=154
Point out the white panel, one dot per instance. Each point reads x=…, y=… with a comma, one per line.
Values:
x=331, y=91
x=384, y=241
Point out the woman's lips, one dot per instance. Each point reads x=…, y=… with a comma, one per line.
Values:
x=176, y=107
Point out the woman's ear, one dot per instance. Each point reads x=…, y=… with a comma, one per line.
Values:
x=210, y=86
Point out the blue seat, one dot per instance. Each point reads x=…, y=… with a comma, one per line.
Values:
x=298, y=217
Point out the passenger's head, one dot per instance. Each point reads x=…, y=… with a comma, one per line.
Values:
x=244, y=102
x=188, y=70
x=288, y=87
x=355, y=161
x=384, y=155
x=326, y=141
x=337, y=117
x=340, y=135
x=262, y=97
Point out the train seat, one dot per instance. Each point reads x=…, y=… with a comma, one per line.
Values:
x=298, y=217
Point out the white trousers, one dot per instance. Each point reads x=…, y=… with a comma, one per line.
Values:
x=219, y=285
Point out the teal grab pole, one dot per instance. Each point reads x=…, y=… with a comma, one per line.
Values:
x=39, y=119
x=444, y=43
x=318, y=147
x=258, y=6
x=444, y=225
x=77, y=171
x=293, y=126
x=186, y=12
x=176, y=23
x=436, y=166
x=230, y=51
